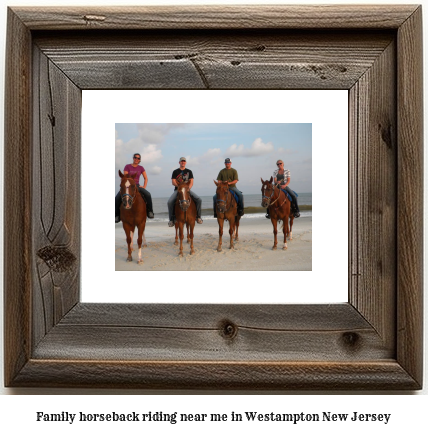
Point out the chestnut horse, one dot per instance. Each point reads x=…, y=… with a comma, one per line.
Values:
x=279, y=209
x=132, y=213
x=185, y=212
x=227, y=208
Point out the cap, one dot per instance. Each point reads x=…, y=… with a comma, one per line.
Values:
x=183, y=159
x=227, y=160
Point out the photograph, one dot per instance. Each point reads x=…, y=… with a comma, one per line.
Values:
x=219, y=197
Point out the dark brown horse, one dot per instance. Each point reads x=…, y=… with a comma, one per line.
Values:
x=279, y=209
x=132, y=213
x=185, y=213
x=227, y=208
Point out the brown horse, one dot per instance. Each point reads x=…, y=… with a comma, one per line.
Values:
x=227, y=208
x=279, y=209
x=185, y=213
x=132, y=213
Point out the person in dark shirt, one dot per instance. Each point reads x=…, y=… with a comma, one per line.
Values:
x=179, y=175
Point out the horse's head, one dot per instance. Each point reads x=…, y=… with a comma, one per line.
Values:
x=128, y=189
x=183, y=193
x=267, y=192
x=222, y=193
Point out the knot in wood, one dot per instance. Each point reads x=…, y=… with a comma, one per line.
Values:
x=351, y=340
x=58, y=259
x=228, y=330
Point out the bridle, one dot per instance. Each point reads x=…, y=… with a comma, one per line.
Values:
x=185, y=201
x=225, y=202
x=127, y=194
x=273, y=192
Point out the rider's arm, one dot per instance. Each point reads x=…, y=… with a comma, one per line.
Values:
x=233, y=182
x=174, y=182
x=145, y=179
x=190, y=183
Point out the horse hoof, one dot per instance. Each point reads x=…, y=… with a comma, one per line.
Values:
x=218, y=250
x=176, y=244
x=274, y=248
x=140, y=262
x=192, y=252
x=284, y=248
x=128, y=259
x=144, y=246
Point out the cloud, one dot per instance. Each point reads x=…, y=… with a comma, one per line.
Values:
x=155, y=133
x=258, y=147
x=209, y=157
x=155, y=170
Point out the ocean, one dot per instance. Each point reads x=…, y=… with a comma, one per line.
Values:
x=252, y=207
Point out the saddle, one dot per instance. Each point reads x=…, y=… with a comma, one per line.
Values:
x=234, y=195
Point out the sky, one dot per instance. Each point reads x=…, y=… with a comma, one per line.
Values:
x=253, y=148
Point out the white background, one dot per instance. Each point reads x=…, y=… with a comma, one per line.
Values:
x=328, y=113
x=18, y=412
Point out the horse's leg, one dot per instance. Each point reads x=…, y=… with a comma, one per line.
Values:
x=192, y=227
x=141, y=228
x=285, y=231
x=231, y=231
x=237, y=218
x=188, y=236
x=220, y=233
x=290, y=233
x=180, y=229
x=176, y=234
x=275, y=231
x=128, y=234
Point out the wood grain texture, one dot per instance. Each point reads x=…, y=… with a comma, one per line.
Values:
x=373, y=168
x=410, y=206
x=17, y=200
x=372, y=342
x=216, y=60
x=56, y=197
x=217, y=17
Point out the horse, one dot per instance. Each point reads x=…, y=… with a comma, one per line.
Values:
x=133, y=214
x=227, y=208
x=279, y=209
x=185, y=213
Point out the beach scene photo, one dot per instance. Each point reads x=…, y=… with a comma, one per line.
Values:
x=253, y=151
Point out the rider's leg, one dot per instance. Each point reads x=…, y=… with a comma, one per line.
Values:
x=198, y=202
x=148, y=199
x=215, y=205
x=171, y=204
x=117, y=207
x=240, y=200
x=294, y=204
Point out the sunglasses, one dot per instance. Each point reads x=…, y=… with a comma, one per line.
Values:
x=279, y=164
x=137, y=158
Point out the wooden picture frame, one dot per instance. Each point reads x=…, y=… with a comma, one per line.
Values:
x=372, y=342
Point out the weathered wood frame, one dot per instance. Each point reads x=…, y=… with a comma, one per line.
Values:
x=372, y=342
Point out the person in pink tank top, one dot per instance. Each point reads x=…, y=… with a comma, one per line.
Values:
x=139, y=170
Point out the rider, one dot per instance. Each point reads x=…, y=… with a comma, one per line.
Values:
x=179, y=175
x=282, y=177
x=231, y=176
x=147, y=197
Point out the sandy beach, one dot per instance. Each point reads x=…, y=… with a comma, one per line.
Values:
x=253, y=251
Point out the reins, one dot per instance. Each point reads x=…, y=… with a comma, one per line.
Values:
x=132, y=197
x=279, y=195
x=225, y=201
